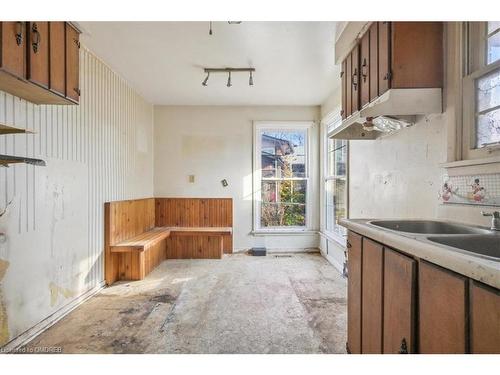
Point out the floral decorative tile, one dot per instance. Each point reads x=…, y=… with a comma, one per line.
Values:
x=481, y=189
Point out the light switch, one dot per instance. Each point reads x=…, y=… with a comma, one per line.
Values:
x=191, y=178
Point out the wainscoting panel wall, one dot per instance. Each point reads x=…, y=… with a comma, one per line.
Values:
x=98, y=151
x=196, y=212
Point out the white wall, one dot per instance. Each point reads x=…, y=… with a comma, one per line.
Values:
x=98, y=151
x=214, y=143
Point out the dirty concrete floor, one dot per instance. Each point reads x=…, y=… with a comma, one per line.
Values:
x=240, y=304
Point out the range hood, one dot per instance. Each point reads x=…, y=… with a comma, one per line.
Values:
x=396, y=108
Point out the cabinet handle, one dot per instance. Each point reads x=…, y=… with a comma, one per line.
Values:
x=19, y=33
x=364, y=70
x=342, y=112
x=387, y=76
x=403, y=349
x=36, y=38
x=341, y=74
x=77, y=90
x=77, y=42
x=348, y=245
x=355, y=78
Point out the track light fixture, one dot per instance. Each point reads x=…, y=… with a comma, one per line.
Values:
x=204, y=83
x=228, y=71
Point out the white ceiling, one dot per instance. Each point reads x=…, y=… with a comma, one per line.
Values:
x=164, y=61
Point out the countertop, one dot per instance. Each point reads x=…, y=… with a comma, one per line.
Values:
x=484, y=270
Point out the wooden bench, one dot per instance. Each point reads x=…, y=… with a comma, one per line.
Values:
x=141, y=233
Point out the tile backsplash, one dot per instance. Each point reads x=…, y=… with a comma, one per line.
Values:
x=480, y=189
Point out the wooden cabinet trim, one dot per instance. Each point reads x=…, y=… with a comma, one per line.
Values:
x=354, y=292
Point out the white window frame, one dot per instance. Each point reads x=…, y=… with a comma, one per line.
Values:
x=260, y=126
x=330, y=122
x=473, y=67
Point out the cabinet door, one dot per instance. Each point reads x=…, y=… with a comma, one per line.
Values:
x=442, y=310
x=38, y=53
x=57, y=50
x=384, y=59
x=343, y=88
x=348, y=85
x=371, y=302
x=365, y=69
x=355, y=80
x=72, y=63
x=485, y=319
x=354, y=277
x=399, y=303
x=373, y=61
x=13, y=48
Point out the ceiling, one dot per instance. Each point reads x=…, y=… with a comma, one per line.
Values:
x=164, y=61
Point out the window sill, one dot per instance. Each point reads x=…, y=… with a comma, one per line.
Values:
x=282, y=232
x=470, y=162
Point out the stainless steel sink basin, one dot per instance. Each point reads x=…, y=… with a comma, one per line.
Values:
x=487, y=246
x=427, y=227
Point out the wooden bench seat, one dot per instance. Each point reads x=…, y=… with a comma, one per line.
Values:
x=142, y=241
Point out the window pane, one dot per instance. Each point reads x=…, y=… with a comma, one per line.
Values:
x=283, y=203
x=335, y=205
x=488, y=91
x=337, y=158
x=493, y=51
x=283, y=153
x=492, y=26
x=488, y=128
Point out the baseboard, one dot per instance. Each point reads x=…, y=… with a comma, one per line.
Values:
x=283, y=250
x=52, y=319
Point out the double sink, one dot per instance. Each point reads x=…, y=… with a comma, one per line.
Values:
x=476, y=241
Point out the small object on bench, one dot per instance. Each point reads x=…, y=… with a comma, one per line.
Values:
x=258, y=251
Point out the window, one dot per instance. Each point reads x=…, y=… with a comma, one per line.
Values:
x=281, y=176
x=482, y=89
x=335, y=179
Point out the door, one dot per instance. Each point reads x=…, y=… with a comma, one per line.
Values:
x=343, y=88
x=442, y=310
x=72, y=63
x=371, y=301
x=38, y=53
x=373, y=61
x=355, y=80
x=13, y=48
x=365, y=69
x=354, y=278
x=399, y=303
x=384, y=59
x=485, y=319
x=348, y=85
x=57, y=50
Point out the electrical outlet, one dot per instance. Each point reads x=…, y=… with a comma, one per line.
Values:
x=224, y=183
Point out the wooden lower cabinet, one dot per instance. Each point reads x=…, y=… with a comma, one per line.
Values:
x=485, y=319
x=442, y=310
x=354, y=270
x=372, y=290
x=400, y=279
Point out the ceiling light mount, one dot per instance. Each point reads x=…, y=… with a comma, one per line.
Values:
x=228, y=71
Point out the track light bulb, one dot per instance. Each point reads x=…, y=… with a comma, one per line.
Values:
x=250, y=80
x=229, y=80
x=204, y=83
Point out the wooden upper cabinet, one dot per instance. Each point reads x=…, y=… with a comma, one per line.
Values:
x=365, y=69
x=343, y=88
x=442, y=310
x=417, y=54
x=355, y=79
x=384, y=57
x=373, y=61
x=13, y=48
x=372, y=297
x=485, y=319
x=348, y=85
x=57, y=57
x=400, y=281
x=72, y=63
x=354, y=280
x=38, y=53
